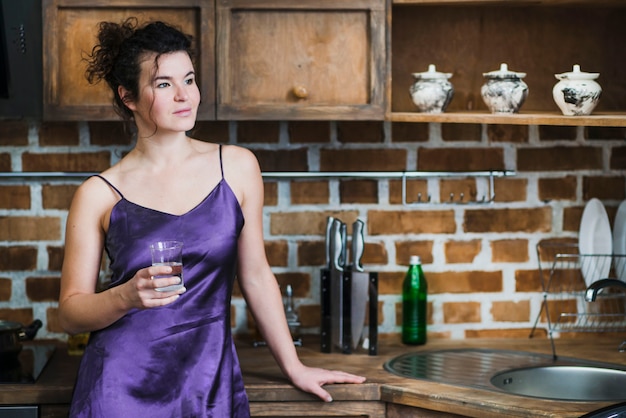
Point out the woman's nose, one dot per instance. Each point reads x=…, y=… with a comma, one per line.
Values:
x=181, y=94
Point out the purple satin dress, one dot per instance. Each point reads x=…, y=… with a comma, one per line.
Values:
x=177, y=360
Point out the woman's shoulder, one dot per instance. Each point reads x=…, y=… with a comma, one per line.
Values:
x=241, y=158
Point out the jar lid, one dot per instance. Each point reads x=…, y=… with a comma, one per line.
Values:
x=504, y=72
x=432, y=73
x=576, y=74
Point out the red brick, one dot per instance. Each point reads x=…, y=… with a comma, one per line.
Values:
x=508, y=311
x=109, y=133
x=463, y=281
x=528, y=281
x=557, y=133
x=509, y=251
x=409, y=132
x=358, y=191
x=461, y=312
x=560, y=188
x=270, y=196
x=5, y=162
x=18, y=258
x=258, y=132
x=57, y=196
x=510, y=190
x=14, y=197
x=507, y=133
x=405, y=249
x=461, y=132
x=559, y=159
x=58, y=133
x=277, y=253
x=21, y=315
x=79, y=162
x=6, y=286
x=308, y=132
x=360, y=132
x=43, y=289
x=414, y=222
x=460, y=159
x=363, y=160
x=13, y=133
x=309, y=192
x=311, y=253
x=212, y=131
x=375, y=253
x=55, y=258
x=24, y=228
x=462, y=251
x=605, y=132
x=618, y=158
x=604, y=187
x=52, y=321
x=508, y=220
x=390, y=283
x=571, y=218
x=282, y=160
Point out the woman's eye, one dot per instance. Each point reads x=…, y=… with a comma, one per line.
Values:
x=189, y=81
x=162, y=85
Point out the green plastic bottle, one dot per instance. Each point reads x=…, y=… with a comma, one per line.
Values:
x=414, y=294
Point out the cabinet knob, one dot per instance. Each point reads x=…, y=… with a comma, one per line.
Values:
x=300, y=92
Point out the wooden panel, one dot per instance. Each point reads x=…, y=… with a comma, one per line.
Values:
x=70, y=33
x=335, y=51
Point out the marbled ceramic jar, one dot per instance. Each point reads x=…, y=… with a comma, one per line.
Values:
x=577, y=93
x=431, y=92
x=504, y=91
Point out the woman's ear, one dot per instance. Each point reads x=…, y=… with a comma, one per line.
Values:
x=125, y=96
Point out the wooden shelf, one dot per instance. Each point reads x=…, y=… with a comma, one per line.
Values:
x=522, y=118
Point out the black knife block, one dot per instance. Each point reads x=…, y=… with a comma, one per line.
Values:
x=326, y=343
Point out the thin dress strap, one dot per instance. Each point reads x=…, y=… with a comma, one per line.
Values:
x=221, y=165
x=110, y=185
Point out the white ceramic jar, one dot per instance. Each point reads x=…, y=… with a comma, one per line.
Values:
x=431, y=92
x=577, y=93
x=504, y=91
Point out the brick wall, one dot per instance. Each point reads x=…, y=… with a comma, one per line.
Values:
x=479, y=259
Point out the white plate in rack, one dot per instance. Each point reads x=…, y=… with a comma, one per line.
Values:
x=594, y=242
x=619, y=241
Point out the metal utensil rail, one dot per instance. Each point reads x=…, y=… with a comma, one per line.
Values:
x=565, y=276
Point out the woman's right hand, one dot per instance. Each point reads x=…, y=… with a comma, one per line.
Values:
x=140, y=291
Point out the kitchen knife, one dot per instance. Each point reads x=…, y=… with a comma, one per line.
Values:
x=360, y=285
x=336, y=284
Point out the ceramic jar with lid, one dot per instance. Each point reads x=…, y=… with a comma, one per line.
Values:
x=504, y=91
x=431, y=92
x=577, y=93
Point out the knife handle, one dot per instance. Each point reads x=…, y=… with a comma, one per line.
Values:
x=329, y=230
x=344, y=245
x=358, y=244
x=336, y=246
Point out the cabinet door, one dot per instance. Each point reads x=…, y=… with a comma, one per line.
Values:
x=284, y=59
x=70, y=28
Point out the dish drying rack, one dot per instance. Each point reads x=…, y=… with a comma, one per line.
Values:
x=565, y=277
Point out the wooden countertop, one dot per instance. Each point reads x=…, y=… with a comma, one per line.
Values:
x=265, y=383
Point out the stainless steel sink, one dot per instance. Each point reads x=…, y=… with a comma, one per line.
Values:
x=575, y=383
x=516, y=372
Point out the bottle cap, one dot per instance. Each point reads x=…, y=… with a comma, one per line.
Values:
x=415, y=259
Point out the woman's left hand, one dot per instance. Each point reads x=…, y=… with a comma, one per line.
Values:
x=311, y=379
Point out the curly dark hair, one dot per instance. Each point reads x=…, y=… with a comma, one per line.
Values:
x=117, y=56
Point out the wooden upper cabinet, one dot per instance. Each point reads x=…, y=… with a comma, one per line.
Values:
x=70, y=28
x=305, y=59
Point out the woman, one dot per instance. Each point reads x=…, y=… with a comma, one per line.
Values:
x=155, y=353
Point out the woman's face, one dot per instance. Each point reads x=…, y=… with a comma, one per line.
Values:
x=168, y=94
